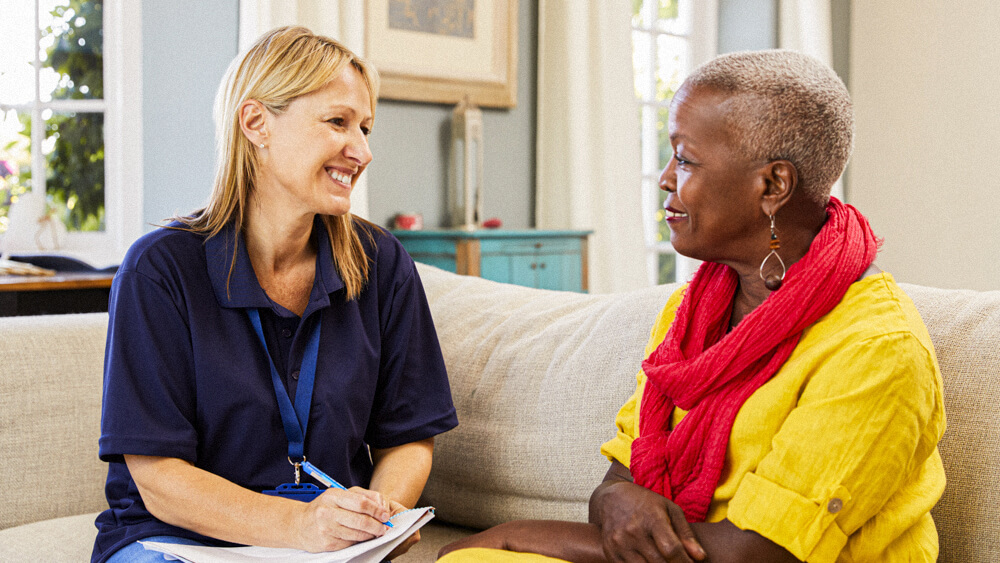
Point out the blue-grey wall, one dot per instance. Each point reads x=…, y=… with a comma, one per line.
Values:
x=410, y=144
x=186, y=47
x=746, y=25
x=753, y=24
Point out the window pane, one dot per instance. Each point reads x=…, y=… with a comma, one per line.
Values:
x=15, y=160
x=662, y=230
x=671, y=53
x=642, y=64
x=17, y=55
x=636, y=13
x=672, y=18
x=71, y=49
x=649, y=140
x=668, y=268
x=663, y=148
x=667, y=9
x=74, y=151
x=642, y=10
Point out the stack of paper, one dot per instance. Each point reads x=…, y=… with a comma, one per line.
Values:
x=372, y=551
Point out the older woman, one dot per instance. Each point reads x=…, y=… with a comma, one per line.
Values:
x=271, y=333
x=790, y=405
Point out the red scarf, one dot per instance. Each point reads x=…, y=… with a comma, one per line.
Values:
x=709, y=373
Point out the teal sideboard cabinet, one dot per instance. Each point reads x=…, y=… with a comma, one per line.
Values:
x=542, y=259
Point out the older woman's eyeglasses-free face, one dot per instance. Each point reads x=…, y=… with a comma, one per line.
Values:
x=713, y=206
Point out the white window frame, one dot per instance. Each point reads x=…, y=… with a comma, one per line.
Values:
x=122, y=108
x=702, y=42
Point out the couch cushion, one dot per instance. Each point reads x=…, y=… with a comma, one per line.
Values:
x=537, y=377
x=965, y=328
x=50, y=415
x=70, y=538
x=433, y=537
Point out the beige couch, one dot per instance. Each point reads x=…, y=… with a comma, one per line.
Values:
x=537, y=377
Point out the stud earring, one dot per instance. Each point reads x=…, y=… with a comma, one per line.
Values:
x=262, y=145
x=773, y=281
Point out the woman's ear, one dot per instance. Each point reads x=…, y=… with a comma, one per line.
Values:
x=253, y=122
x=781, y=180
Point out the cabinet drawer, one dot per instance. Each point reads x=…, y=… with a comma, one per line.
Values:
x=429, y=247
x=531, y=246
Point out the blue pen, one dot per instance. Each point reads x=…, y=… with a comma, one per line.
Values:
x=327, y=480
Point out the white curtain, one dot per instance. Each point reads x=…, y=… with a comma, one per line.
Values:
x=588, y=161
x=806, y=26
x=342, y=20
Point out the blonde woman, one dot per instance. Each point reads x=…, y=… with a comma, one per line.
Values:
x=271, y=333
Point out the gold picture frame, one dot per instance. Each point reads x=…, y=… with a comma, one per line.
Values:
x=442, y=51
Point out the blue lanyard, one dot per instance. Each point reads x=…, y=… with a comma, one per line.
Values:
x=295, y=418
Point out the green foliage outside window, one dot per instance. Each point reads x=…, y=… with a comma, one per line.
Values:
x=76, y=165
x=74, y=141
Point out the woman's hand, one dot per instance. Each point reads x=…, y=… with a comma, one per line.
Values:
x=338, y=519
x=408, y=542
x=636, y=522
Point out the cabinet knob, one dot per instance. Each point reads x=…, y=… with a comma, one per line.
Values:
x=542, y=266
x=538, y=245
x=533, y=265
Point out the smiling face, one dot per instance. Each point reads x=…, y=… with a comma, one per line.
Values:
x=317, y=147
x=714, y=202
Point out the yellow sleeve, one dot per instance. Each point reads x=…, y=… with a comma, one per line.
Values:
x=869, y=417
x=627, y=421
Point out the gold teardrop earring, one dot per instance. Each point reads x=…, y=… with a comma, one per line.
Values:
x=773, y=281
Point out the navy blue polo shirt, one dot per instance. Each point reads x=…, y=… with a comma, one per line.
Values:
x=185, y=375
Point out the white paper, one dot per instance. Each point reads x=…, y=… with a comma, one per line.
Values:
x=372, y=551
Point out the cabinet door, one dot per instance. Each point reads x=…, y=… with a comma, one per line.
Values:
x=507, y=269
x=558, y=271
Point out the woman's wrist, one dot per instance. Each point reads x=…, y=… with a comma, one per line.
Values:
x=600, y=497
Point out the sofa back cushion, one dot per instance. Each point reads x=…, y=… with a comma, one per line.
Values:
x=50, y=416
x=537, y=377
x=965, y=328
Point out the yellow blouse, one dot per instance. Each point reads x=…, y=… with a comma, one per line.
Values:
x=835, y=458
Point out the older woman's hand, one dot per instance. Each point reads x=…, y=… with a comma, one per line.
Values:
x=636, y=522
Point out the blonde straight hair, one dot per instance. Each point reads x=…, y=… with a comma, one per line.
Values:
x=283, y=64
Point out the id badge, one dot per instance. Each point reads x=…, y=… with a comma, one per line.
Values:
x=304, y=491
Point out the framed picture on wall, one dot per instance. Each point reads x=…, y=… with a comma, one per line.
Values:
x=441, y=51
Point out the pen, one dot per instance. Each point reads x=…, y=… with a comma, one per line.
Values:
x=327, y=480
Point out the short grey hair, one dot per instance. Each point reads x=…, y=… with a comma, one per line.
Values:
x=785, y=105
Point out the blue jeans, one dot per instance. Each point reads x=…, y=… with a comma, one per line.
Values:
x=136, y=553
